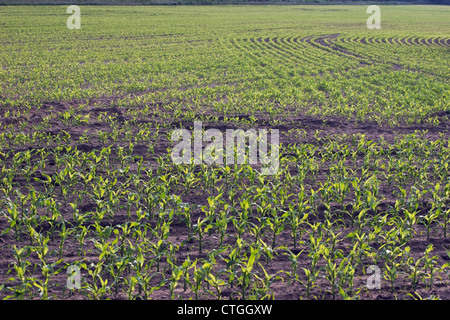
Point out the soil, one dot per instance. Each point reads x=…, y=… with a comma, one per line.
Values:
x=282, y=290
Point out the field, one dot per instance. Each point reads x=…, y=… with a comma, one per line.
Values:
x=362, y=190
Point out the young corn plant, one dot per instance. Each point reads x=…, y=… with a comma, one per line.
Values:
x=343, y=188
x=198, y=278
x=200, y=228
x=333, y=270
x=13, y=216
x=186, y=218
x=20, y=266
x=415, y=272
x=347, y=276
x=97, y=288
x=429, y=267
x=221, y=223
x=186, y=265
x=52, y=219
x=144, y=278
x=242, y=220
x=47, y=271
x=391, y=252
x=361, y=220
x=293, y=258
x=257, y=229
x=296, y=222
x=216, y=283
x=158, y=250
x=268, y=250
x=64, y=233
x=429, y=219
x=189, y=182
x=276, y=224
x=391, y=273
x=246, y=271
x=81, y=237
x=313, y=272
x=262, y=288
x=232, y=261
x=177, y=274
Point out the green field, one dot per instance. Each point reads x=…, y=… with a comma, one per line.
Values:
x=257, y=56
x=87, y=178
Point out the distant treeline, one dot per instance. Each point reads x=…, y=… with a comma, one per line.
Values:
x=214, y=2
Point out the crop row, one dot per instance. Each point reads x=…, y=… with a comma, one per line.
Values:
x=129, y=208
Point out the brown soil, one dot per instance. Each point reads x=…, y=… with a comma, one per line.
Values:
x=178, y=232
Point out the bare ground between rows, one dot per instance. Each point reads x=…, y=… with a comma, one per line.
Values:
x=329, y=126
